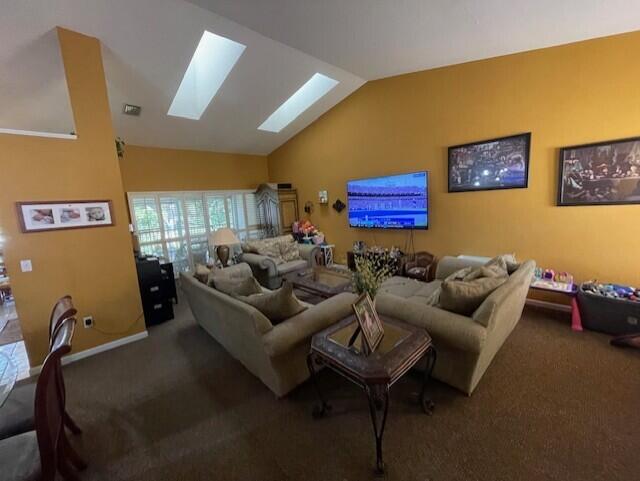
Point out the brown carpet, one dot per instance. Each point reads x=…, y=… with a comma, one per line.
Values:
x=554, y=405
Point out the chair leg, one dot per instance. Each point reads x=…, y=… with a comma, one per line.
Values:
x=71, y=425
x=71, y=454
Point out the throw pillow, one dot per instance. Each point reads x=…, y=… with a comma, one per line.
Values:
x=202, y=273
x=464, y=297
x=238, y=287
x=459, y=274
x=289, y=250
x=278, y=305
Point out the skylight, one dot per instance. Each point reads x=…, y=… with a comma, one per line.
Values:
x=316, y=87
x=210, y=65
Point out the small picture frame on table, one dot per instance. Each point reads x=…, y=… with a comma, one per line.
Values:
x=369, y=323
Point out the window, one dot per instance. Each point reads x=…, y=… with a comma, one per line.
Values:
x=176, y=225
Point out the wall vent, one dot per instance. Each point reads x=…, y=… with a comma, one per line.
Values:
x=129, y=109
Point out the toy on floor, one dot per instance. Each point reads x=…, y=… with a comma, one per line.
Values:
x=614, y=291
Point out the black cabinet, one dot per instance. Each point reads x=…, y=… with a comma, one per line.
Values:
x=157, y=289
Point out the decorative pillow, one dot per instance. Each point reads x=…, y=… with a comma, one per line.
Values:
x=464, y=297
x=459, y=274
x=237, y=287
x=289, y=250
x=277, y=305
x=202, y=273
x=493, y=270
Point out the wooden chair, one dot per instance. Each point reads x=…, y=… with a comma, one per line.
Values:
x=421, y=266
x=16, y=416
x=40, y=454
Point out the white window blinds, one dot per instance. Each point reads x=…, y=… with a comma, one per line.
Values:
x=176, y=225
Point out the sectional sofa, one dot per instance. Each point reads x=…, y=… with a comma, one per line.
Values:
x=466, y=345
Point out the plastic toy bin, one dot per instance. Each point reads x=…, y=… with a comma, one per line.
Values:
x=608, y=314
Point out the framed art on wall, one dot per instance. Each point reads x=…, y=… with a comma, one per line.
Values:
x=603, y=173
x=56, y=215
x=494, y=164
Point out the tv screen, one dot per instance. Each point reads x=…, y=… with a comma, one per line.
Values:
x=391, y=202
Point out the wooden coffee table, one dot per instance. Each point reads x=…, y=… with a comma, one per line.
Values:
x=402, y=346
x=321, y=281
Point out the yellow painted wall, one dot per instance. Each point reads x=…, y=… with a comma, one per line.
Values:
x=567, y=95
x=95, y=265
x=154, y=169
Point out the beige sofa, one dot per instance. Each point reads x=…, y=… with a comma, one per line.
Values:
x=275, y=354
x=465, y=345
x=269, y=262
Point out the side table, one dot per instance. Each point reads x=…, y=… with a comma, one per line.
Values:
x=402, y=347
x=576, y=319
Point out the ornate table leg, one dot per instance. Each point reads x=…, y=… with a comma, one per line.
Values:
x=426, y=403
x=321, y=410
x=378, y=405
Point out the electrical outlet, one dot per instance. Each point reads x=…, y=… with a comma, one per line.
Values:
x=87, y=321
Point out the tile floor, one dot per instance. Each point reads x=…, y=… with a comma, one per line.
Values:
x=15, y=351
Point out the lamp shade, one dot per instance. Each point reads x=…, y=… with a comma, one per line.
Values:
x=224, y=237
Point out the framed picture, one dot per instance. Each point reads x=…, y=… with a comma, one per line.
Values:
x=490, y=164
x=54, y=215
x=370, y=325
x=604, y=173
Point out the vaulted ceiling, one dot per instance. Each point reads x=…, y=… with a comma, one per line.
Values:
x=148, y=44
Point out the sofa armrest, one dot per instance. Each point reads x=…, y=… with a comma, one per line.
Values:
x=457, y=331
x=301, y=327
x=308, y=252
x=258, y=263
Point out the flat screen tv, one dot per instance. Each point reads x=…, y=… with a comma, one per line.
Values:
x=391, y=202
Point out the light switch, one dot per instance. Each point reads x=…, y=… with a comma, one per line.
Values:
x=26, y=266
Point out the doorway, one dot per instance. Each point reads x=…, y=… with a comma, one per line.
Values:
x=11, y=340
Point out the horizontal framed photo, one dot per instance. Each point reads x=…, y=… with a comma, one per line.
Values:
x=56, y=215
x=369, y=322
x=494, y=164
x=604, y=173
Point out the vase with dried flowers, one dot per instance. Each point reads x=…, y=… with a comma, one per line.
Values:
x=371, y=271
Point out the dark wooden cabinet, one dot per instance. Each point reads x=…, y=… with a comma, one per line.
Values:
x=157, y=289
x=277, y=210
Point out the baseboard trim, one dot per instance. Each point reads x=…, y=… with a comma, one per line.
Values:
x=554, y=306
x=95, y=350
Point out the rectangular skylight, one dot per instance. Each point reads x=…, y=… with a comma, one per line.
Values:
x=210, y=65
x=316, y=87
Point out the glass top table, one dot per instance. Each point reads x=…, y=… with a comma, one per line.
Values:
x=8, y=376
x=321, y=281
x=401, y=348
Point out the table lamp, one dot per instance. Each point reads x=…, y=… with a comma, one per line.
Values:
x=222, y=239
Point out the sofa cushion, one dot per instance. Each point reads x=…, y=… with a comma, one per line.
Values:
x=265, y=247
x=464, y=297
x=234, y=272
x=277, y=305
x=202, y=273
x=401, y=286
x=240, y=287
x=291, y=266
x=289, y=250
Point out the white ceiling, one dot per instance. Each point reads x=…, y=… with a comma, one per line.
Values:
x=147, y=45
x=380, y=38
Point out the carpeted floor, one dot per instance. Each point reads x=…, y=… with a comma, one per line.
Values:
x=554, y=405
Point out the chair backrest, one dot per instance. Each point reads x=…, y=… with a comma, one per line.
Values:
x=61, y=310
x=49, y=400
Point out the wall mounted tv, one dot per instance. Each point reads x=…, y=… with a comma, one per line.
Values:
x=391, y=202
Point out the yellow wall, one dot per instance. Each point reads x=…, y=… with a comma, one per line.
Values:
x=96, y=265
x=154, y=169
x=577, y=93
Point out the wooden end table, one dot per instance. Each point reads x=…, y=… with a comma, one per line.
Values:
x=402, y=346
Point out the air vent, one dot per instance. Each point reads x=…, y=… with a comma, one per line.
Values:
x=129, y=109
